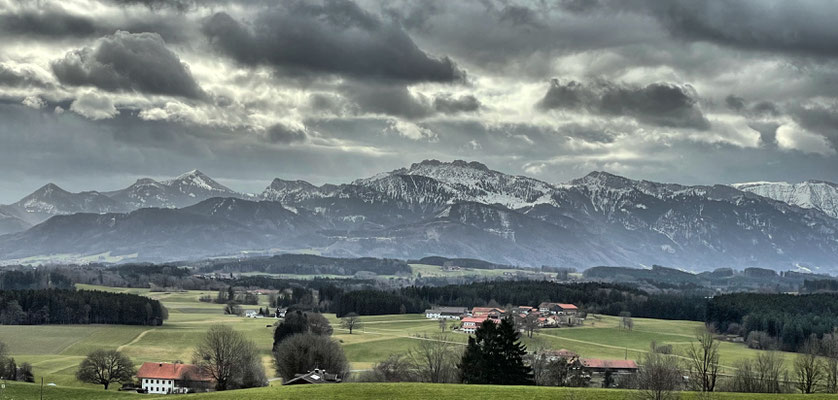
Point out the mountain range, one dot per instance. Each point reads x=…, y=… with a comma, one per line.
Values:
x=455, y=209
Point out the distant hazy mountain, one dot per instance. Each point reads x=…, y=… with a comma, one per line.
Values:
x=819, y=195
x=185, y=190
x=456, y=209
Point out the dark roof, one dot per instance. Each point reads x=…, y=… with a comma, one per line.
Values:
x=314, y=377
x=613, y=364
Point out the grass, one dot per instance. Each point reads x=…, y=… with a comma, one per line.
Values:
x=55, y=351
x=403, y=391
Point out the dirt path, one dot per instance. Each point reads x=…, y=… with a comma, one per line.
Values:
x=135, y=340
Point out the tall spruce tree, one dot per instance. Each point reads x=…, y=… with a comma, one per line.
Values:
x=495, y=355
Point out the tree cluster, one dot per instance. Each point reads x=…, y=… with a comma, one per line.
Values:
x=303, y=342
x=230, y=359
x=56, y=306
x=788, y=319
x=10, y=370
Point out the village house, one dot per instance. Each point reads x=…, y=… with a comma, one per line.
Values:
x=470, y=324
x=491, y=312
x=553, y=355
x=558, y=308
x=168, y=378
x=314, y=377
x=596, y=368
x=446, y=312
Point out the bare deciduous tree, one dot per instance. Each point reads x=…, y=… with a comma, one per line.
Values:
x=229, y=358
x=762, y=375
x=530, y=324
x=659, y=377
x=443, y=323
x=350, y=322
x=436, y=359
x=625, y=321
x=829, y=349
x=395, y=368
x=104, y=367
x=703, y=361
x=807, y=367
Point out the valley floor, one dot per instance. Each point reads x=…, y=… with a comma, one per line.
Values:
x=55, y=350
x=396, y=391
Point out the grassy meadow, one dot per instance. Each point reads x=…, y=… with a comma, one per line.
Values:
x=55, y=351
x=396, y=391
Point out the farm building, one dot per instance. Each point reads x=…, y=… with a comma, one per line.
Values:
x=168, y=378
x=314, y=377
x=446, y=312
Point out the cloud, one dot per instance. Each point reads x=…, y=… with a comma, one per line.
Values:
x=394, y=100
x=281, y=133
x=138, y=62
x=48, y=22
x=34, y=102
x=805, y=27
x=448, y=104
x=660, y=104
x=821, y=119
x=94, y=106
x=334, y=37
x=21, y=77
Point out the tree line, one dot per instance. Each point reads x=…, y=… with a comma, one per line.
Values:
x=58, y=306
x=770, y=321
x=307, y=264
x=594, y=297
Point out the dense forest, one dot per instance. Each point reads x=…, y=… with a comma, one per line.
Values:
x=58, y=306
x=788, y=319
x=34, y=279
x=306, y=264
x=593, y=297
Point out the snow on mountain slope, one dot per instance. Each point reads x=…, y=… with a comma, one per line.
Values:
x=182, y=191
x=819, y=195
x=472, y=181
x=52, y=200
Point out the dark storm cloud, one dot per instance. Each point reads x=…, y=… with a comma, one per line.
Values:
x=759, y=109
x=798, y=27
x=280, y=133
x=767, y=133
x=394, y=100
x=59, y=24
x=805, y=27
x=128, y=62
x=452, y=105
x=23, y=78
x=735, y=103
x=661, y=104
x=335, y=37
x=47, y=23
x=822, y=120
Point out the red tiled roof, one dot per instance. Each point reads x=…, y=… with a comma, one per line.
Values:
x=178, y=372
x=475, y=319
x=616, y=364
x=567, y=306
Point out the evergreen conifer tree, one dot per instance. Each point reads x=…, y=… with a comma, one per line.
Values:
x=495, y=356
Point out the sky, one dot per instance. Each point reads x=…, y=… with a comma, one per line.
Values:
x=95, y=94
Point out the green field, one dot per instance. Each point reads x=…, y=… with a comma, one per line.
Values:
x=403, y=391
x=55, y=351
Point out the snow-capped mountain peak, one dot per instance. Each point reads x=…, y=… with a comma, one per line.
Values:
x=472, y=181
x=814, y=194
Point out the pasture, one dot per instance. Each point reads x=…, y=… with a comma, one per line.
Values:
x=55, y=351
x=396, y=391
